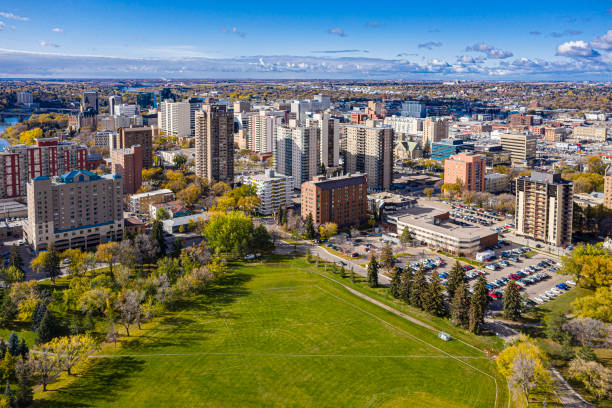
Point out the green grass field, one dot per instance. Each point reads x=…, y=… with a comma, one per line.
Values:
x=277, y=334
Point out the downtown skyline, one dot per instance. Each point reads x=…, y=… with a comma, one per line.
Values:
x=521, y=41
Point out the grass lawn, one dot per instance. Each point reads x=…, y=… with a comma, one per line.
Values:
x=277, y=334
x=338, y=254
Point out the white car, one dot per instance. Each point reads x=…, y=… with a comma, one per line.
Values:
x=571, y=282
x=539, y=300
x=557, y=291
x=550, y=294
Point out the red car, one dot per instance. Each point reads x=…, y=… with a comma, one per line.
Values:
x=495, y=295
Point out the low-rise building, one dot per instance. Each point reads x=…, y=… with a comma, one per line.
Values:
x=407, y=151
x=496, y=182
x=446, y=148
x=174, y=209
x=596, y=133
x=172, y=226
x=274, y=190
x=139, y=203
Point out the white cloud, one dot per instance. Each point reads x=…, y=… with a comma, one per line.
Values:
x=430, y=44
x=603, y=42
x=48, y=44
x=58, y=30
x=12, y=16
x=578, y=49
x=336, y=31
x=490, y=51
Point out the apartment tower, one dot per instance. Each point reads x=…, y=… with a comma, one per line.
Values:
x=214, y=143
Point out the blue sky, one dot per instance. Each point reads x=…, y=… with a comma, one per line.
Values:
x=408, y=40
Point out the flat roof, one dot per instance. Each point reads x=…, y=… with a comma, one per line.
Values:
x=341, y=181
x=151, y=193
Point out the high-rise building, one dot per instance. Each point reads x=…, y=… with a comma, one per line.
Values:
x=329, y=139
x=166, y=94
x=25, y=98
x=467, y=170
x=544, y=205
x=174, y=118
x=520, y=120
x=144, y=99
x=375, y=110
x=261, y=130
x=80, y=209
x=413, y=109
x=242, y=107
x=123, y=109
x=48, y=157
x=143, y=136
x=405, y=125
x=296, y=152
x=445, y=148
x=274, y=190
x=370, y=150
x=127, y=163
x=522, y=147
x=434, y=130
x=113, y=102
x=342, y=200
x=608, y=188
x=195, y=104
x=214, y=143
x=89, y=100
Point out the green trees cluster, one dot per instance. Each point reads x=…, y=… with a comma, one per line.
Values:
x=234, y=234
x=414, y=290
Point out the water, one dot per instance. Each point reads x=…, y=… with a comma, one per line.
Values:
x=8, y=122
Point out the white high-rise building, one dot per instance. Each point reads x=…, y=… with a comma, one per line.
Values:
x=261, y=130
x=174, y=118
x=369, y=150
x=113, y=102
x=329, y=139
x=124, y=109
x=405, y=125
x=25, y=98
x=296, y=152
x=274, y=190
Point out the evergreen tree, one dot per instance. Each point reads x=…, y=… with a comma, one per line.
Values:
x=406, y=286
x=478, y=306
x=175, y=248
x=3, y=349
x=24, y=394
x=8, y=393
x=39, y=312
x=373, y=272
x=51, y=264
x=89, y=324
x=23, y=348
x=396, y=283
x=47, y=329
x=418, y=291
x=342, y=272
x=157, y=235
x=8, y=310
x=310, y=229
x=455, y=279
x=512, y=301
x=434, y=301
x=460, y=306
x=13, y=344
x=386, y=258
x=15, y=259
x=352, y=275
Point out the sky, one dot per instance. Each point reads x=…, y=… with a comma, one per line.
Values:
x=527, y=40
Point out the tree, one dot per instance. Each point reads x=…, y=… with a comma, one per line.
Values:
x=8, y=310
x=15, y=259
x=591, y=265
x=128, y=304
x=27, y=137
x=512, y=301
x=386, y=257
x=310, y=230
x=522, y=363
x=406, y=286
x=478, y=305
x=328, y=230
x=597, y=306
x=71, y=349
x=45, y=364
x=179, y=160
x=175, y=248
x=225, y=232
x=396, y=282
x=406, y=237
x=554, y=326
x=157, y=235
x=47, y=262
x=418, y=290
x=373, y=272
x=108, y=253
x=12, y=274
x=428, y=192
x=595, y=377
x=77, y=260
x=162, y=214
x=455, y=279
x=47, y=329
x=112, y=335
x=460, y=306
x=145, y=250
x=24, y=394
x=434, y=300
x=189, y=195
x=13, y=344
x=586, y=330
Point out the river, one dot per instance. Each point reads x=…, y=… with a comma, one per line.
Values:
x=8, y=122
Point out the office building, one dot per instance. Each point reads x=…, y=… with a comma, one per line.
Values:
x=544, y=208
x=47, y=157
x=261, y=130
x=214, y=143
x=434, y=130
x=369, y=150
x=89, y=100
x=595, y=133
x=113, y=102
x=123, y=109
x=143, y=136
x=302, y=107
x=433, y=227
x=608, y=188
x=144, y=100
x=554, y=134
x=80, y=209
x=413, y=109
x=296, y=153
x=174, y=118
x=375, y=110
x=274, y=190
x=405, y=125
x=165, y=94
x=496, y=183
x=242, y=107
x=342, y=200
x=445, y=148
x=466, y=169
x=522, y=147
x=195, y=104
x=25, y=98
x=520, y=120
x=139, y=203
x=127, y=163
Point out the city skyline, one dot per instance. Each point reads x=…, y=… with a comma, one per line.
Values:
x=518, y=41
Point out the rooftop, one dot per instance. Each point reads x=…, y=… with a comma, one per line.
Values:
x=151, y=193
x=341, y=181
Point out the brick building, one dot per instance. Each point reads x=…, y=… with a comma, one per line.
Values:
x=341, y=200
x=467, y=170
x=128, y=164
x=143, y=136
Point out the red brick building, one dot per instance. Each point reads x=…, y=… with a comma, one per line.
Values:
x=128, y=164
x=341, y=200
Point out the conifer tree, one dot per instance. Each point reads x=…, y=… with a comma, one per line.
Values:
x=310, y=229
x=13, y=344
x=512, y=301
x=386, y=258
x=396, y=283
x=373, y=272
x=455, y=279
x=418, y=290
x=434, y=300
x=47, y=328
x=406, y=286
x=157, y=235
x=460, y=306
x=478, y=306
